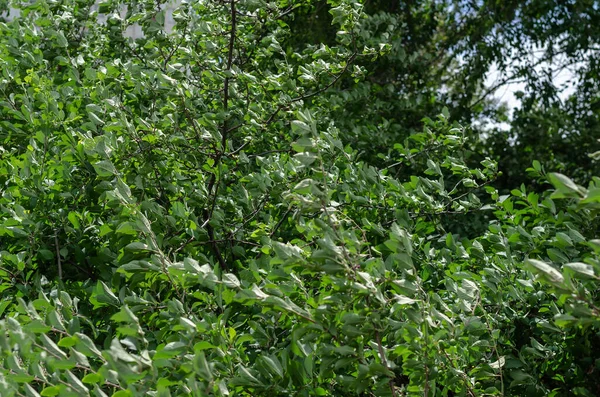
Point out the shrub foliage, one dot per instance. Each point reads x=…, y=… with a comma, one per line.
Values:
x=181, y=214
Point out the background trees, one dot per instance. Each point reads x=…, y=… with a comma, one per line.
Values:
x=282, y=198
x=440, y=54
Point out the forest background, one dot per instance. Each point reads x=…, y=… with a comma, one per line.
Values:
x=299, y=197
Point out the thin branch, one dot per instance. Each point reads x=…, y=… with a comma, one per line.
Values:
x=213, y=183
x=8, y=272
x=260, y=206
x=287, y=11
x=236, y=151
x=174, y=49
x=421, y=152
x=227, y=78
x=311, y=94
x=58, y=255
x=513, y=78
x=283, y=218
x=269, y=152
x=335, y=80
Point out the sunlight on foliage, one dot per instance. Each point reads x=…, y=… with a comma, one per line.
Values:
x=187, y=213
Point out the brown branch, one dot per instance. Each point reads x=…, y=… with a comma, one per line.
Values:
x=213, y=183
x=465, y=378
x=331, y=83
x=236, y=151
x=174, y=49
x=229, y=240
x=269, y=152
x=227, y=78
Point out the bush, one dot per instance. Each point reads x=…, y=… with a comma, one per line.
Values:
x=181, y=217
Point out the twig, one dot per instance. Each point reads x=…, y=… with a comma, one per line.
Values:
x=421, y=152
x=269, y=152
x=213, y=183
x=8, y=272
x=58, y=254
x=236, y=151
x=470, y=391
x=283, y=218
x=252, y=215
x=271, y=118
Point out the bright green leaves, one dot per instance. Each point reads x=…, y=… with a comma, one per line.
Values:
x=50, y=391
x=565, y=187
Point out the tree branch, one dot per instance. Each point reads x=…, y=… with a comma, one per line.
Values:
x=213, y=183
x=312, y=94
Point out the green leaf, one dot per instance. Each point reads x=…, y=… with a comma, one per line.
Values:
x=404, y=300
x=74, y=219
x=273, y=365
x=52, y=347
x=62, y=41
x=122, y=393
x=86, y=345
x=37, y=327
x=580, y=270
x=305, y=186
x=548, y=272
x=68, y=341
x=592, y=196
x=103, y=294
x=127, y=228
x=105, y=168
x=202, y=367
x=46, y=254
x=498, y=364
x=565, y=320
x=76, y=384
x=300, y=127
x=30, y=391
x=95, y=119
x=50, y=391
x=565, y=186
x=231, y=281
x=92, y=378
x=556, y=255
x=21, y=377
x=137, y=246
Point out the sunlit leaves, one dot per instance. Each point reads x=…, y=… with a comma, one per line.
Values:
x=176, y=223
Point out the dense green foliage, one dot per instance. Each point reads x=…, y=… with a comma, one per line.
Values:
x=256, y=203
